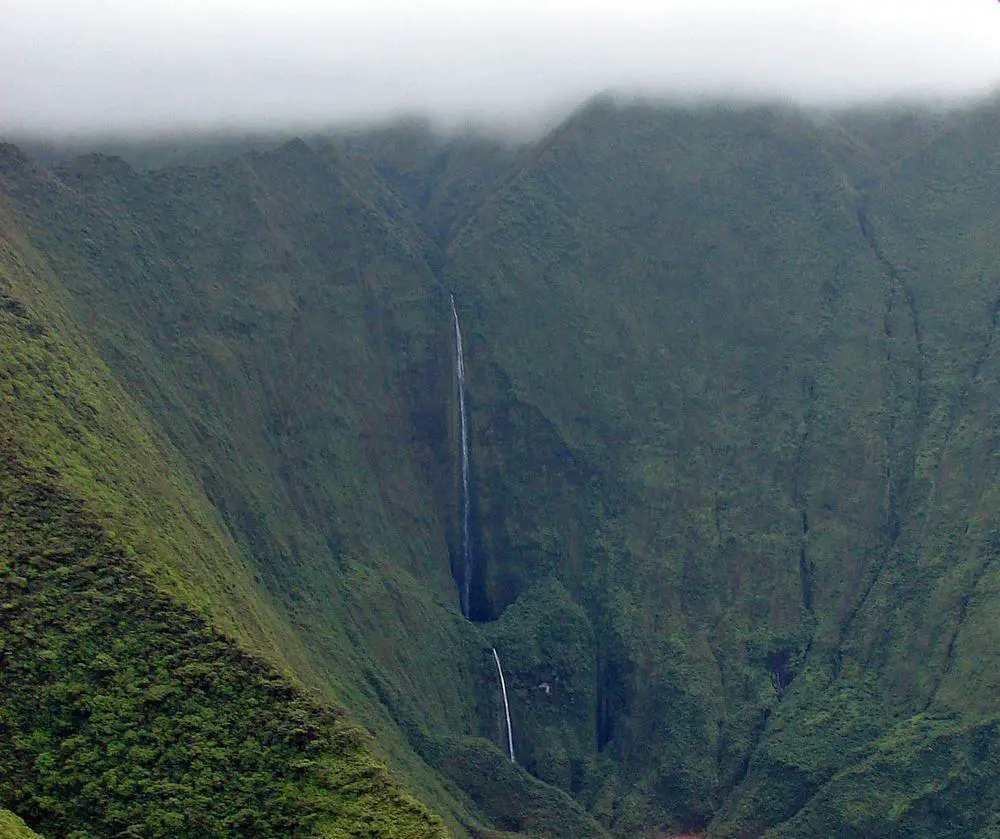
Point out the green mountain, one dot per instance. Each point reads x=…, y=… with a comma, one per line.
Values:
x=732, y=388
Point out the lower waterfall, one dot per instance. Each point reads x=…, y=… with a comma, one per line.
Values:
x=506, y=706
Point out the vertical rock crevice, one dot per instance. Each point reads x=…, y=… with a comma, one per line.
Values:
x=799, y=498
x=904, y=365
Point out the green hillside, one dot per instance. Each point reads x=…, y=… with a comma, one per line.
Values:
x=732, y=381
x=767, y=391
x=11, y=827
x=124, y=710
x=268, y=391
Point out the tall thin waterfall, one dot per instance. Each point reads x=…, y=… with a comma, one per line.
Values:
x=506, y=707
x=467, y=562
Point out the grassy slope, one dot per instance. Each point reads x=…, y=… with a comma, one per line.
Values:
x=928, y=626
x=11, y=827
x=124, y=712
x=69, y=413
x=100, y=661
x=917, y=653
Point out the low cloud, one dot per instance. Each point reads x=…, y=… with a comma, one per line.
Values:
x=118, y=64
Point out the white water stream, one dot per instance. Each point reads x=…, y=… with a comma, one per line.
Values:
x=464, y=456
x=506, y=707
x=467, y=561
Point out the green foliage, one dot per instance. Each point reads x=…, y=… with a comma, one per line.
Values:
x=506, y=795
x=732, y=377
x=11, y=827
x=275, y=450
x=121, y=707
x=125, y=713
x=933, y=778
x=547, y=649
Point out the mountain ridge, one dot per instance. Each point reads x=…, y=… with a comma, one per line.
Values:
x=732, y=397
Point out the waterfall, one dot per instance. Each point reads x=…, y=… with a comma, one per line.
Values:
x=467, y=564
x=506, y=707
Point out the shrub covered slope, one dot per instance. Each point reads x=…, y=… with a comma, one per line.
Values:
x=124, y=712
x=732, y=380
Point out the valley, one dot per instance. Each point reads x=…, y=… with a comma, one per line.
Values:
x=640, y=479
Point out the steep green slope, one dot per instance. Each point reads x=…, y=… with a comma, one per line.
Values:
x=123, y=709
x=927, y=625
x=285, y=334
x=62, y=405
x=125, y=713
x=672, y=321
x=706, y=401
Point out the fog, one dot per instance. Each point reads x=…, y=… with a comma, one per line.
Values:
x=113, y=65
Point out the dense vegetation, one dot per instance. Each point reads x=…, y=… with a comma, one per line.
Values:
x=733, y=383
x=125, y=715
x=124, y=712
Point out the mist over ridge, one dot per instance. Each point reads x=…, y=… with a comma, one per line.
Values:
x=202, y=145
x=163, y=67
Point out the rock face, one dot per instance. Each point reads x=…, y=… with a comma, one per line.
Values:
x=731, y=386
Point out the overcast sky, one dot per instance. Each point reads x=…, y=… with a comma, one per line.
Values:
x=153, y=64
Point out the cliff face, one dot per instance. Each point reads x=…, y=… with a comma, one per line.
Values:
x=732, y=389
x=143, y=691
